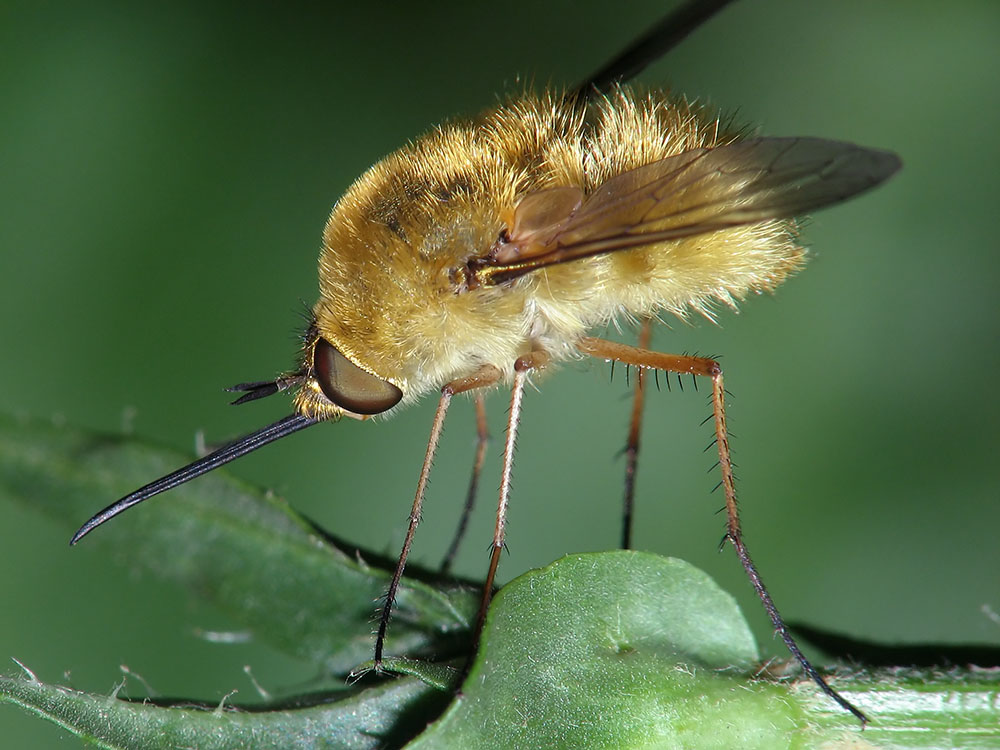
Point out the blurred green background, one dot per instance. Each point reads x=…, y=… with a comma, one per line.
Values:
x=165, y=173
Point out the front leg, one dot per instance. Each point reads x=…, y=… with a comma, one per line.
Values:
x=522, y=367
x=484, y=377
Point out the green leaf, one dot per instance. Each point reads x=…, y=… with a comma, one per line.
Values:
x=240, y=548
x=443, y=676
x=372, y=718
x=617, y=650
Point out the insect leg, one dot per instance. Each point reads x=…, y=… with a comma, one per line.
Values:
x=486, y=375
x=522, y=367
x=470, y=498
x=643, y=358
x=632, y=445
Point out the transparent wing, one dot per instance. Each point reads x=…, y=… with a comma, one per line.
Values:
x=696, y=192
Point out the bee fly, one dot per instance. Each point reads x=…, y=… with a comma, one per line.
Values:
x=488, y=250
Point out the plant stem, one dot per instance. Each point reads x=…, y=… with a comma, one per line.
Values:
x=913, y=708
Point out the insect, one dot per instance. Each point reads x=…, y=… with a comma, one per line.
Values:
x=487, y=251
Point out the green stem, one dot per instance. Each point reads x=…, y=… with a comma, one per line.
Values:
x=914, y=708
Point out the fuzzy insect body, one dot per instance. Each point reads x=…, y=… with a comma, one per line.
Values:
x=389, y=297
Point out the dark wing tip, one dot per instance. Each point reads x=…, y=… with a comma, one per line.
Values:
x=858, y=169
x=884, y=164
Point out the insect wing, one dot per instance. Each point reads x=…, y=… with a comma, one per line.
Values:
x=538, y=218
x=700, y=191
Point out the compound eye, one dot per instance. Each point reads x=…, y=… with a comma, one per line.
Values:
x=348, y=386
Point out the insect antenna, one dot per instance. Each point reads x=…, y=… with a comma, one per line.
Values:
x=263, y=388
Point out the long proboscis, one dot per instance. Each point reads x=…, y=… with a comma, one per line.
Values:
x=215, y=459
